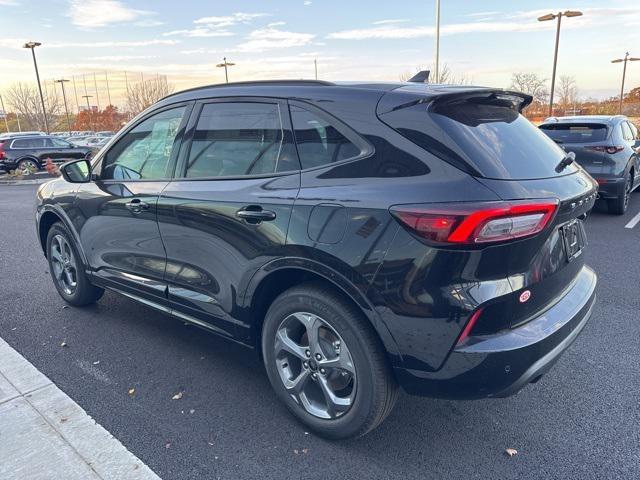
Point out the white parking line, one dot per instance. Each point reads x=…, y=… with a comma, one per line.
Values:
x=633, y=222
x=45, y=434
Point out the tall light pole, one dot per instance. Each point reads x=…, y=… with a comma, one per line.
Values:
x=87, y=97
x=545, y=18
x=62, y=81
x=6, y=123
x=436, y=77
x=32, y=46
x=315, y=66
x=624, y=72
x=225, y=64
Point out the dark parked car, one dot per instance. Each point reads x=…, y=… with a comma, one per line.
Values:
x=357, y=236
x=608, y=147
x=33, y=152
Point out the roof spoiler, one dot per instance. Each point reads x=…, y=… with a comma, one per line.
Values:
x=421, y=77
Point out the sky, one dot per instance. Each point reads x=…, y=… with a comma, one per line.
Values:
x=484, y=41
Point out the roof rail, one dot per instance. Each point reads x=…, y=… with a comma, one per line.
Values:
x=256, y=83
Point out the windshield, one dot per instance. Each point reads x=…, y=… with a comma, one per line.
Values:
x=491, y=138
x=575, y=132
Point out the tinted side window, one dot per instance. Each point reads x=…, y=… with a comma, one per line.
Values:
x=319, y=142
x=144, y=153
x=19, y=144
x=626, y=131
x=29, y=143
x=634, y=130
x=240, y=138
x=59, y=143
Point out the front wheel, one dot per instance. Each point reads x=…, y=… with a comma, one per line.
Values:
x=326, y=363
x=67, y=269
x=619, y=205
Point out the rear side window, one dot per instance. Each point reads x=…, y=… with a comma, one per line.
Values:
x=238, y=139
x=28, y=143
x=626, y=131
x=576, y=132
x=495, y=140
x=634, y=131
x=319, y=143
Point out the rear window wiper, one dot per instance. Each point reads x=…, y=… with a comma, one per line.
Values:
x=565, y=162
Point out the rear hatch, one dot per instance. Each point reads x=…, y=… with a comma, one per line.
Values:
x=483, y=132
x=588, y=140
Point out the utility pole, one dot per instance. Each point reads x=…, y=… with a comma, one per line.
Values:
x=225, y=64
x=62, y=81
x=624, y=73
x=106, y=78
x=87, y=97
x=95, y=84
x=315, y=65
x=545, y=18
x=436, y=78
x=6, y=123
x=32, y=46
x=75, y=92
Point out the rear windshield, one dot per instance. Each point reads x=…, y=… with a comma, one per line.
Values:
x=576, y=132
x=495, y=140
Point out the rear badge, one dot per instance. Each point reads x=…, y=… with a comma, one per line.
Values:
x=524, y=296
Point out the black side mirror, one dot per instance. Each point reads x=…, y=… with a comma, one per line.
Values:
x=76, y=171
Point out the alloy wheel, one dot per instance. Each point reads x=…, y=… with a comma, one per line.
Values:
x=315, y=365
x=63, y=264
x=627, y=191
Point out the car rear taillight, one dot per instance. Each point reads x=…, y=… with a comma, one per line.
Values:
x=611, y=150
x=469, y=326
x=476, y=223
x=2, y=155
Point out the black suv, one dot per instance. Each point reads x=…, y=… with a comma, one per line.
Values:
x=357, y=236
x=33, y=151
x=608, y=147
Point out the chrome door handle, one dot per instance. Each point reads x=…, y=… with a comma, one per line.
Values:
x=137, y=206
x=255, y=214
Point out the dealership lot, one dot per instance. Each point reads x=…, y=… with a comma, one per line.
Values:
x=581, y=421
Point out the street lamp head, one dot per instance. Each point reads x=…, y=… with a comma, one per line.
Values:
x=31, y=45
x=548, y=16
x=634, y=59
x=572, y=13
x=617, y=60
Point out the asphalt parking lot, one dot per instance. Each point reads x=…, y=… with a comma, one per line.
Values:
x=581, y=421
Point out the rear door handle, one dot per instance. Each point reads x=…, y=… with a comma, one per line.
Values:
x=255, y=214
x=136, y=205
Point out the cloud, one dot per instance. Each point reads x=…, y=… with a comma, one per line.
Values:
x=307, y=3
x=141, y=43
x=100, y=13
x=8, y=3
x=199, y=32
x=271, y=38
x=121, y=58
x=216, y=26
x=229, y=20
x=390, y=21
x=394, y=32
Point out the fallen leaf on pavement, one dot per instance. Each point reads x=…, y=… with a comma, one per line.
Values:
x=511, y=452
x=177, y=396
x=295, y=450
x=65, y=306
x=168, y=445
x=63, y=419
x=132, y=391
x=96, y=362
x=192, y=411
x=210, y=444
x=64, y=344
x=305, y=450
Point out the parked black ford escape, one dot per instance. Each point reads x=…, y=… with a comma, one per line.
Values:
x=22, y=151
x=358, y=236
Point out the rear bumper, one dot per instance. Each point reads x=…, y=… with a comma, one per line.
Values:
x=610, y=188
x=499, y=365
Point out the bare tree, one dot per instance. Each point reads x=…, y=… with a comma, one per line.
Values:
x=25, y=101
x=447, y=76
x=531, y=84
x=567, y=91
x=144, y=94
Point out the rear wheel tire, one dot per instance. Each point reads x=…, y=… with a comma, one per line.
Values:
x=618, y=206
x=67, y=269
x=28, y=162
x=326, y=363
